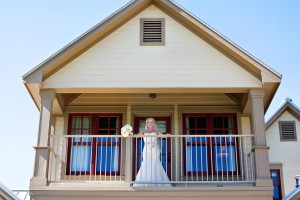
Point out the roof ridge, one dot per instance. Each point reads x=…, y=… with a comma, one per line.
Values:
x=287, y=103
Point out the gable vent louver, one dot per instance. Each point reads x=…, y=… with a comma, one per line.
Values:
x=152, y=31
x=287, y=131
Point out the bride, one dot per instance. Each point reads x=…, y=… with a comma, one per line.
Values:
x=151, y=169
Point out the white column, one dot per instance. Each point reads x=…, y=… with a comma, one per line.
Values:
x=258, y=129
x=40, y=177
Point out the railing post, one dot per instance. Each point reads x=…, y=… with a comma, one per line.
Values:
x=128, y=160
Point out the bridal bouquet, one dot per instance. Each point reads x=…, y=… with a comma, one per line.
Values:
x=126, y=130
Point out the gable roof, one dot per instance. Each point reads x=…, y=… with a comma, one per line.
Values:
x=120, y=17
x=34, y=79
x=289, y=106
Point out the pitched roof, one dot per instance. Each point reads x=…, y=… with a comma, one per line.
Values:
x=108, y=25
x=289, y=106
x=34, y=79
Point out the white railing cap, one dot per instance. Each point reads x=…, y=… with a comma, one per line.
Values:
x=137, y=136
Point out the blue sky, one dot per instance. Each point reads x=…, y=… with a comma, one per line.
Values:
x=33, y=30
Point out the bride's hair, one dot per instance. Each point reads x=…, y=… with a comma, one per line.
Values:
x=150, y=118
x=155, y=126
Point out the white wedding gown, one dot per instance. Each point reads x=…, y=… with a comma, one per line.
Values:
x=151, y=169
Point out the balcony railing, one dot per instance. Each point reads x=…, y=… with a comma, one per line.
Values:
x=185, y=159
x=22, y=194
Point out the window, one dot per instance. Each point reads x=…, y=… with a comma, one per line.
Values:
x=152, y=31
x=275, y=175
x=287, y=131
x=210, y=154
x=94, y=155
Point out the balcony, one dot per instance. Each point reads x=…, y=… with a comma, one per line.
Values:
x=188, y=160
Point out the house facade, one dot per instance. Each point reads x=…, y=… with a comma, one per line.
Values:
x=282, y=131
x=152, y=58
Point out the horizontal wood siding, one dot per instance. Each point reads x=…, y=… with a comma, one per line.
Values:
x=119, y=61
x=285, y=152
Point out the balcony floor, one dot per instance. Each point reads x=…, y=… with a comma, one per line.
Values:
x=122, y=190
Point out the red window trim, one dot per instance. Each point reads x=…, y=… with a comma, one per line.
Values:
x=210, y=132
x=95, y=125
x=279, y=183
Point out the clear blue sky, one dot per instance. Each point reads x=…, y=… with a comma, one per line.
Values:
x=32, y=30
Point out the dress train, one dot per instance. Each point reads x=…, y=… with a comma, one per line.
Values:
x=151, y=169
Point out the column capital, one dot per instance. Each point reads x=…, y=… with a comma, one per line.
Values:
x=47, y=93
x=256, y=93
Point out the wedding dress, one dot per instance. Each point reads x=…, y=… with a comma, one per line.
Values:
x=151, y=169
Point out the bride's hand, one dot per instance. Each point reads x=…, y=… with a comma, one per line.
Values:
x=140, y=133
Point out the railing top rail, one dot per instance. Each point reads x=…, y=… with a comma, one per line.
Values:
x=21, y=190
x=138, y=136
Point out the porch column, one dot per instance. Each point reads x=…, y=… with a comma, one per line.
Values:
x=176, y=150
x=128, y=152
x=258, y=128
x=40, y=177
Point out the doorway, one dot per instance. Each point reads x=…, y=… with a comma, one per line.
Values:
x=164, y=126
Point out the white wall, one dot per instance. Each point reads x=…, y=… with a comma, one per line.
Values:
x=287, y=153
x=119, y=61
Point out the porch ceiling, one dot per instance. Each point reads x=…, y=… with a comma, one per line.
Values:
x=210, y=99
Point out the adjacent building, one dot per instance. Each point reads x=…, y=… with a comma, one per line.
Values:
x=282, y=131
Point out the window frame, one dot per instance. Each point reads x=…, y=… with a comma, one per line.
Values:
x=278, y=169
x=142, y=43
x=93, y=143
x=212, y=169
x=280, y=123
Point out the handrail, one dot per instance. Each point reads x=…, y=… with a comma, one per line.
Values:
x=138, y=136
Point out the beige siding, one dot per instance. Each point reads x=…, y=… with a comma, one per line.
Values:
x=286, y=153
x=119, y=61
